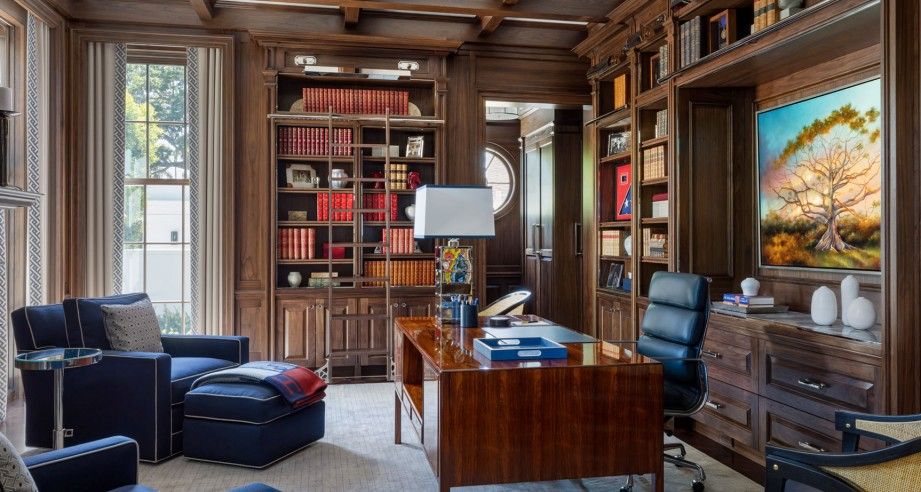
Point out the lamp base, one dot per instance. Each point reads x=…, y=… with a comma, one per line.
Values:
x=453, y=280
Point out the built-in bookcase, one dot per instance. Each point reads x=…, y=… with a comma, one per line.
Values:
x=351, y=97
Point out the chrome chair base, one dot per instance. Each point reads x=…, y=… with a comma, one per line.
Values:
x=697, y=485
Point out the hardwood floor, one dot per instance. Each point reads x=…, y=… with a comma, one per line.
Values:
x=14, y=426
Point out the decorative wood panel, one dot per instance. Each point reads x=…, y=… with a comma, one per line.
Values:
x=250, y=318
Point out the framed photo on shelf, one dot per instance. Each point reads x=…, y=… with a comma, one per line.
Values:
x=723, y=30
x=618, y=142
x=654, y=70
x=415, y=146
x=301, y=176
x=615, y=276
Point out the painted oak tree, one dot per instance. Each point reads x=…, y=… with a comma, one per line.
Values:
x=830, y=169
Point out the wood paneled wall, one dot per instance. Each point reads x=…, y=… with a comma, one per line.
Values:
x=503, y=254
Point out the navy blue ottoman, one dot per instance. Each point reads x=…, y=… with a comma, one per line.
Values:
x=247, y=425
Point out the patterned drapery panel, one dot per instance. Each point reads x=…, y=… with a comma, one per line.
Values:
x=4, y=317
x=105, y=167
x=37, y=138
x=207, y=194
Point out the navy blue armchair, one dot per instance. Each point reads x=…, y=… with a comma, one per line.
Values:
x=136, y=394
x=106, y=464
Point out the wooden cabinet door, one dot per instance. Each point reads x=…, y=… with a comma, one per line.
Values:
x=545, y=288
x=300, y=335
x=416, y=306
x=372, y=334
x=531, y=198
x=604, y=318
x=532, y=282
x=343, y=334
x=547, y=202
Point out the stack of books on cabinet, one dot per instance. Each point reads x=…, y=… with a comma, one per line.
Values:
x=611, y=243
x=655, y=244
x=654, y=163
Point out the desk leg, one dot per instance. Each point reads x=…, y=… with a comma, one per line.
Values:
x=397, y=419
x=658, y=478
x=59, y=431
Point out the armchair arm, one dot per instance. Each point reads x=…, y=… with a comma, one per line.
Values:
x=105, y=464
x=125, y=393
x=888, y=428
x=234, y=349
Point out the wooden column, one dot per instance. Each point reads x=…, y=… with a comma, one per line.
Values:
x=902, y=131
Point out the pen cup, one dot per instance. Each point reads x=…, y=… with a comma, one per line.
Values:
x=468, y=316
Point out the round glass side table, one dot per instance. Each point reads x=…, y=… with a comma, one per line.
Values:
x=58, y=359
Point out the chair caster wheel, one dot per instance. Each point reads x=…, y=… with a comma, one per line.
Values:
x=697, y=486
x=626, y=488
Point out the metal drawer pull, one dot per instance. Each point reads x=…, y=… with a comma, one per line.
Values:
x=714, y=405
x=810, y=447
x=812, y=384
x=715, y=355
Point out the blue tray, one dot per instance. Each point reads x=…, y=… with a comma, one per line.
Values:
x=524, y=348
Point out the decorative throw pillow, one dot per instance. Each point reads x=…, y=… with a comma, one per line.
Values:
x=132, y=327
x=14, y=476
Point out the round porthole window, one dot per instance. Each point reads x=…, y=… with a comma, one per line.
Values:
x=499, y=177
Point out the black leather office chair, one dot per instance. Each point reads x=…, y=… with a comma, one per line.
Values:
x=673, y=332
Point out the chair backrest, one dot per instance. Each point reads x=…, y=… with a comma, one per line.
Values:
x=85, y=324
x=507, y=303
x=40, y=327
x=675, y=322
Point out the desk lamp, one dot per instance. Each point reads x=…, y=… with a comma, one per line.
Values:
x=453, y=212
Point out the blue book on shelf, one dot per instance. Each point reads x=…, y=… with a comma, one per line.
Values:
x=744, y=300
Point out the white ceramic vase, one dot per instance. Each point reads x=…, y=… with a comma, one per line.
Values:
x=294, y=279
x=850, y=289
x=628, y=245
x=336, y=180
x=824, y=306
x=410, y=212
x=861, y=314
x=750, y=286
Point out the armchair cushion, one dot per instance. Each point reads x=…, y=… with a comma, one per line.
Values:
x=39, y=327
x=85, y=322
x=13, y=472
x=98, y=465
x=185, y=370
x=234, y=349
x=132, y=327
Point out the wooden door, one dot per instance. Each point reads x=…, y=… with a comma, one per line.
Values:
x=530, y=184
x=300, y=336
x=372, y=334
x=545, y=232
x=343, y=334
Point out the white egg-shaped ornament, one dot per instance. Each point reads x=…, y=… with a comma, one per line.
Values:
x=824, y=306
x=861, y=314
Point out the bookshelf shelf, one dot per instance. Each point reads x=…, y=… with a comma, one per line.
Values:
x=318, y=261
x=654, y=142
x=655, y=98
x=616, y=157
x=616, y=292
x=655, y=181
x=400, y=256
x=654, y=220
x=395, y=223
x=661, y=260
x=619, y=224
x=400, y=160
x=392, y=192
x=618, y=118
x=316, y=158
x=366, y=119
x=615, y=258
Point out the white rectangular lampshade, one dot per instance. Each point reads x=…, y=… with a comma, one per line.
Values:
x=454, y=211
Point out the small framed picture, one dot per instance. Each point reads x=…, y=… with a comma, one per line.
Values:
x=615, y=276
x=301, y=176
x=618, y=142
x=415, y=146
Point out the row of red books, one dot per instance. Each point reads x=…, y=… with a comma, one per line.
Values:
x=297, y=243
x=339, y=201
x=402, y=273
x=379, y=200
x=355, y=101
x=296, y=140
x=400, y=240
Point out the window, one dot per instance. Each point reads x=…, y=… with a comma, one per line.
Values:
x=498, y=173
x=157, y=252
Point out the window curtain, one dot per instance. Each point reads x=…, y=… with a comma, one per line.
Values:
x=206, y=162
x=105, y=167
x=5, y=338
x=37, y=115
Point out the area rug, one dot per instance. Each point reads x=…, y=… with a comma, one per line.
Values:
x=358, y=454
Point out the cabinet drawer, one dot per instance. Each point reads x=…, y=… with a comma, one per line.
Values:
x=786, y=426
x=730, y=358
x=817, y=383
x=732, y=412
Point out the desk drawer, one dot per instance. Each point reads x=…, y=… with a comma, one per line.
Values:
x=817, y=383
x=786, y=426
x=731, y=358
x=733, y=413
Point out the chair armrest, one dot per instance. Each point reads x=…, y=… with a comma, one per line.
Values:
x=888, y=428
x=125, y=393
x=234, y=349
x=865, y=458
x=105, y=464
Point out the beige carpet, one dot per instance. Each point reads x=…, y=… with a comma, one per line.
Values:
x=358, y=454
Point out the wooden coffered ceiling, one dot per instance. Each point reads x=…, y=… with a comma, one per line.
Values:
x=531, y=23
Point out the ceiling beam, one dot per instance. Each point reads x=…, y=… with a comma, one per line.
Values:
x=204, y=8
x=582, y=11
x=350, y=16
x=488, y=24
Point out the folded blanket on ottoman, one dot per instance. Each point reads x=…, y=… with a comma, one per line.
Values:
x=299, y=385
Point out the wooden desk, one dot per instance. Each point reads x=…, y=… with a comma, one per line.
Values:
x=597, y=413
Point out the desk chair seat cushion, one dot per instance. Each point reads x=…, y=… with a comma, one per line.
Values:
x=185, y=370
x=86, y=321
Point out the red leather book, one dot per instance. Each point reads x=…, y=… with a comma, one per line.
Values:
x=320, y=197
x=311, y=243
x=302, y=250
x=297, y=244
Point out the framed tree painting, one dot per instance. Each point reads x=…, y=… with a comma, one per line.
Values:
x=819, y=181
